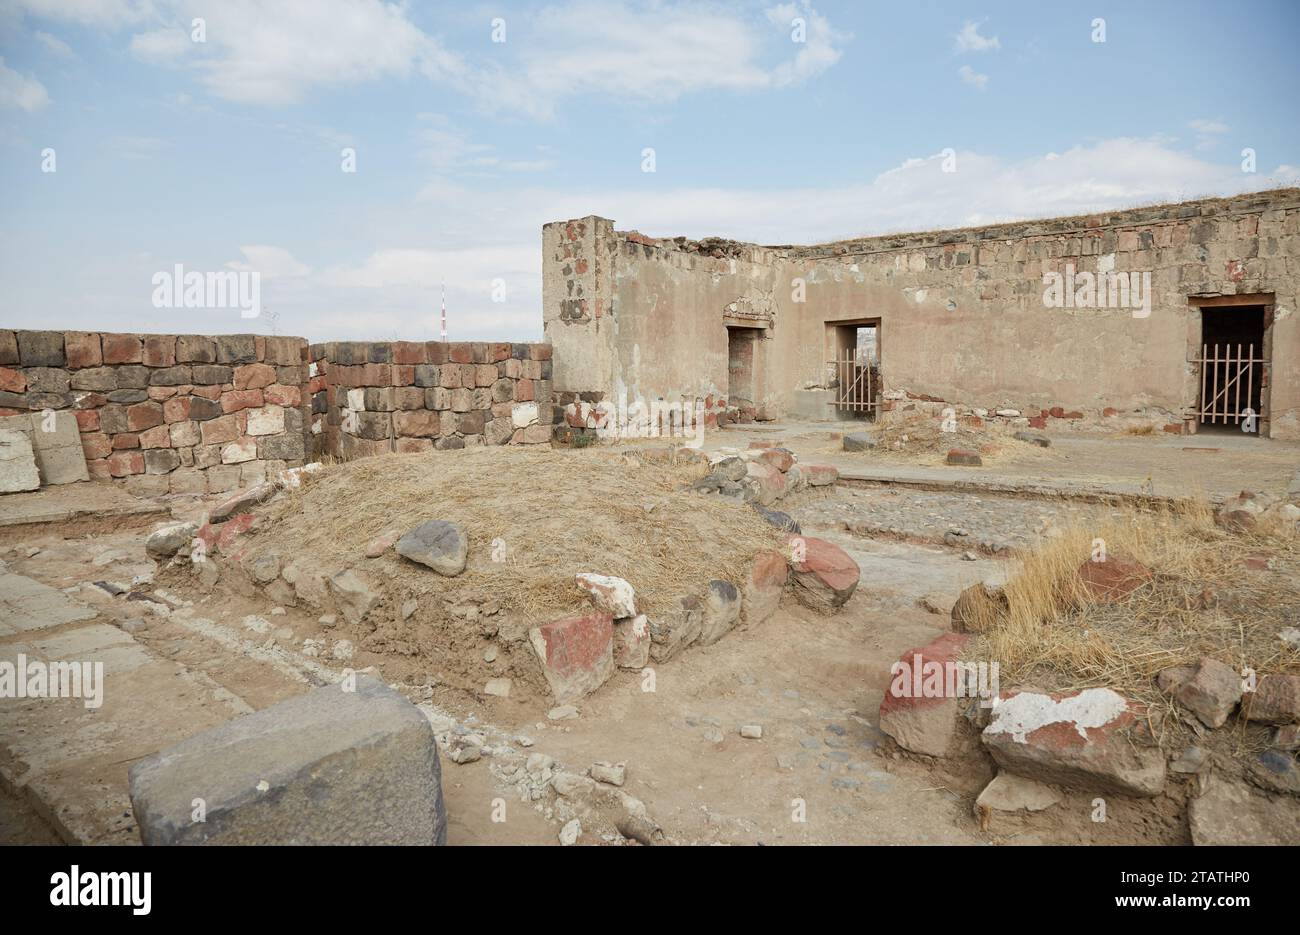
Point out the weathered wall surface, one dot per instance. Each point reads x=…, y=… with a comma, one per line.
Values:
x=166, y=413
x=375, y=397
x=962, y=315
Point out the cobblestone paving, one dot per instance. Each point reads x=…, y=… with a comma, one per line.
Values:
x=990, y=523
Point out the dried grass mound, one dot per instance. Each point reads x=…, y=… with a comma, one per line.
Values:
x=546, y=514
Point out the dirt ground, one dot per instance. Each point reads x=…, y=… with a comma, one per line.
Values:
x=821, y=773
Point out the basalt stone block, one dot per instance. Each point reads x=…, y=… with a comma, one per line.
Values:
x=201, y=409
x=9, y=349
x=212, y=374
x=95, y=379
x=82, y=349
x=283, y=448
x=331, y=766
x=172, y=376
x=133, y=377
x=196, y=349
x=437, y=544
x=236, y=348
x=41, y=348
x=47, y=380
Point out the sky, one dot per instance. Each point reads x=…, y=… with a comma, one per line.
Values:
x=358, y=155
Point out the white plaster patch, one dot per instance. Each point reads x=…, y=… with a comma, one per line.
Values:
x=357, y=399
x=920, y=296
x=1106, y=263
x=1026, y=712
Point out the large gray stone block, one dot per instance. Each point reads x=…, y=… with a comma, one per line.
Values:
x=327, y=767
x=17, y=463
x=56, y=442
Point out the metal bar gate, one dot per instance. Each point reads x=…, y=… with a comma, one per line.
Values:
x=1232, y=385
x=856, y=383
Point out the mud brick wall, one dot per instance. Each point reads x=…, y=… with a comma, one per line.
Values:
x=167, y=413
x=405, y=396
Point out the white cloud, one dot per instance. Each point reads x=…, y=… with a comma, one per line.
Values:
x=1208, y=132
x=271, y=262
x=23, y=92
x=55, y=45
x=162, y=46
x=277, y=53
x=449, y=149
x=973, y=78
x=656, y=52
x=970, y=40
x=110, y=14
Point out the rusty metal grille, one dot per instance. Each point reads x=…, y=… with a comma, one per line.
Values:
x=1232, y=381
x=857, y=381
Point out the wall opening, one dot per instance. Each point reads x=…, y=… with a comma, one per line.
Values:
x=1233, y=370
x=742, y=388
x=853, y=367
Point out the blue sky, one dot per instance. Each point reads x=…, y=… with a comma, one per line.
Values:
x=227, y=153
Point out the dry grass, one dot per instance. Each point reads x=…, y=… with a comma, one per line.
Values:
x=1200, y=601
x=555, y=512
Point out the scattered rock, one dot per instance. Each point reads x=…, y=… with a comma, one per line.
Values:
x=463, y=752
x=820, y=475
x=858, y=441
x=1242, y=512
x=612, y=773
x=979, y=607
x=782, y=521
x=1112, y=580
x=577, y=654
x=751, y=731
x=564, y=712
x=721, y=611
x=826, y=577
x=570, y=833
x=241, y=502
x=1011, y=794
x=632, y=642
x=1276, y=700
x=1287, y=738
x=166, y=541
x=1091, y=739
x=1033, y=438
x=409, y=608
x=610, y=595
x=499, y=687
x=354, y=595
x=919, y=720
x=1231, y=812
x=964, y=457
x=440, y=545
x=382, y=543
x=1192, y=760
x=763, y=588
x=342, y=650
x=327, y=620
x=1211, y=691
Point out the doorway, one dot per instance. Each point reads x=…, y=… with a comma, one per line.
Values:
x=1233, y=368
x=741, y=381
x=853, y=367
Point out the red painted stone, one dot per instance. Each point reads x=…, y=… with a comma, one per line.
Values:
x=577, y=654
x=825, y=577
x=1112, y=580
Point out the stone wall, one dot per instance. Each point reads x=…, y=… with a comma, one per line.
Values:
x=961, y=313
x=165, y=413
x=404, y=396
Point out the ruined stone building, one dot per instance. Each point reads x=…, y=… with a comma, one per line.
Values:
x=1183, y=316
